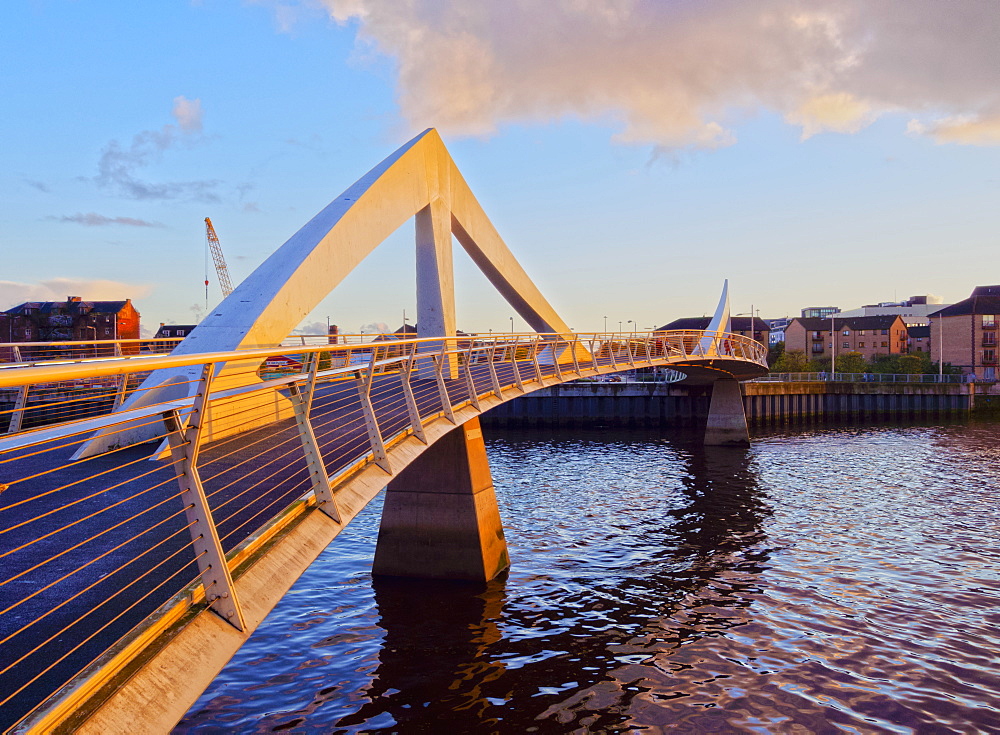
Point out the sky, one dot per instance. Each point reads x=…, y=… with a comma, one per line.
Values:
x=631, y=153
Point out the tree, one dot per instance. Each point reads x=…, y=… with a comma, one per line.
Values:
x=774, y=352
x=818, y=365
x=793, y=361
x=911, y=364
x=852, y=362
x=886, y=364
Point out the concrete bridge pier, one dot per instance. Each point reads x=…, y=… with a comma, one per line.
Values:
x=440, y=519
x=727, y=421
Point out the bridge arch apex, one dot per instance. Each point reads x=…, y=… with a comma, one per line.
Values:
x=418, y=180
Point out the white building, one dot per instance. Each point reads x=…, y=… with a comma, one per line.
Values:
x=914, y=310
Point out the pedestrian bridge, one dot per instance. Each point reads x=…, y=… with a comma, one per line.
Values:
x=168, y=501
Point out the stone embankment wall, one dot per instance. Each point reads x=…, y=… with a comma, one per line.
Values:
x=777, y=403
x=603, y=404
x=766, y=404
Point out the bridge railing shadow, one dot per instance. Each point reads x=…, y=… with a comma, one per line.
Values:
x=104, y=554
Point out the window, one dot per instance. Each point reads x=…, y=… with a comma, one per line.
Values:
x=989, y=356
x=817, y=335
x=885, y=344
x=861, y=333
x=920, y=349
x=180, y=332
x=817, y=348
x=989, y=320
x=861, y=344
x=847, y=345
x=847, y=332
x=107, y=330
x=884, y=331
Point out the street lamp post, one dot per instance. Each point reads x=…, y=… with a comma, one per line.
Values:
x=512, y=325
x=605, y=325
x=833, y=347
x=940, y=348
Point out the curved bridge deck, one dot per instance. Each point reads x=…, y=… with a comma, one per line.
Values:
x=102, y=548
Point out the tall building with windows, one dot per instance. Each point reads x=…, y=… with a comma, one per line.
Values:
x=869, y=335
x=965, y=334
x=914, y=310
x=819, y=312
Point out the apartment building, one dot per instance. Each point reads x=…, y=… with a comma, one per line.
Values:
x=968, y=333
x=869, y=335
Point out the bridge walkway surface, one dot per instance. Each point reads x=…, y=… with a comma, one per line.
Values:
x=146, y=534
x=98, y=553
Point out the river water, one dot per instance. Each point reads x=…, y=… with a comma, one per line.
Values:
x=838, y=580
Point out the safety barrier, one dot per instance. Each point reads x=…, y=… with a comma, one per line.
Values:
x=101, y=556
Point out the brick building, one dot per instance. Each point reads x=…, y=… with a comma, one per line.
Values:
x=173, y=330
x=72, y=320
x=920, y=339
x=968, y=332
x=870, y=335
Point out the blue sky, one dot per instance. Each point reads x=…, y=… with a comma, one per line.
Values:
x=631, y=157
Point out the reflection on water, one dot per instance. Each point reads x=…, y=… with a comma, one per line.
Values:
x=829, y=581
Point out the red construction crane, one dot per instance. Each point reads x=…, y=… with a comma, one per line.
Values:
x=220, y=262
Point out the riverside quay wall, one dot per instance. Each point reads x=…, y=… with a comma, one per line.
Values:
x=766, y=403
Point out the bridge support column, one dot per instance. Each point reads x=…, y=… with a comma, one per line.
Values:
x=440, y=519
x=727, y=421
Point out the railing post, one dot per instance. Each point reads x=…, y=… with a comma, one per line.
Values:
x=442, y=388
x=122, y=381
x=513, y=362
x=184, y=447
x=576, y=360
x=494, y=378
x=17, y=415
x=371, y=422
x=469, y=382
x=555, y=358
x=534, y=359
x=411, y=402
x=302, y=401
x=611, y=351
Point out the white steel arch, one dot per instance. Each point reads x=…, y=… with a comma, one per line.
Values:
x=419, y=180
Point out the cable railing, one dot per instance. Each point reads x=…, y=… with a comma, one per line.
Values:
x=101, y=552
x=826, y=377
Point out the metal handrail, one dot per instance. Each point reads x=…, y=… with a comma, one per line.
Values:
x=725, y=345
x=350, y=406
x=824, y=377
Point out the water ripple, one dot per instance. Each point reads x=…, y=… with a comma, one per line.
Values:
x=828, y=581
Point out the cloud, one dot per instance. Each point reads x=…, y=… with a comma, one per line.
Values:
x=35, y=184
x=92, y=219
x=118, y=166
x=13, y=293
x=961, y=129
x=188, y=114
x=682, y=74
x=310, y=328
x=375, y=328
x=839, y=112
